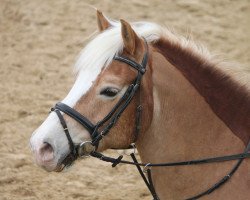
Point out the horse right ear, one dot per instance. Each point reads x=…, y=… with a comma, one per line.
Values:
x=102, y=21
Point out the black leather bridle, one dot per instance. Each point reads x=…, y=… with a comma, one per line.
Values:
x=88, y=148
x=85, y=148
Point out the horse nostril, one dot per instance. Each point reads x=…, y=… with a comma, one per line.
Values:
x=46, y=152
x=46, y=147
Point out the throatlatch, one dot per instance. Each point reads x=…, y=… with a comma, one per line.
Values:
x=88, y=148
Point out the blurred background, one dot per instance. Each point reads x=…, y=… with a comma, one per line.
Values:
x=39, y=42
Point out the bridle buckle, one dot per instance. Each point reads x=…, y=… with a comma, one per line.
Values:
x=84, y=149
x=147, y=167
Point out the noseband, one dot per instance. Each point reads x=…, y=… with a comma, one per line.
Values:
x=88, y=148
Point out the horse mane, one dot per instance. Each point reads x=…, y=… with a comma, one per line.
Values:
x=224, y=86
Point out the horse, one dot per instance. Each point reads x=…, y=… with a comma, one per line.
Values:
x=183, y=104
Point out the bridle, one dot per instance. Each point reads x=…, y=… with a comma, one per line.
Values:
x=99, y=130
x=85, y=148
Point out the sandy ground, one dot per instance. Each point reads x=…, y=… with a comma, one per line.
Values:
x=39, y=41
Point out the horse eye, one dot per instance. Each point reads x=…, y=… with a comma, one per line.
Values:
x=109, y=92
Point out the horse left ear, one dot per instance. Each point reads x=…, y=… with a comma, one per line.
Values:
x=102, y=21
x=130, y=39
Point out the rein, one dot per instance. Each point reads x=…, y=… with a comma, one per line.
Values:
x=88, y=148
x=147, y=168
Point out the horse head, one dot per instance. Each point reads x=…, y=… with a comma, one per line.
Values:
x=101, y=83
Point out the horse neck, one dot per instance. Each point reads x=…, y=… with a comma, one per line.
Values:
x=184, y=128
x=226, y=90
x=183, y=125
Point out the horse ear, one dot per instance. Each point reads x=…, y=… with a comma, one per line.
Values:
x=130, y=38
x=103, y=22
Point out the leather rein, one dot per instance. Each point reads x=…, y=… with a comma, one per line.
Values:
x=88, y=148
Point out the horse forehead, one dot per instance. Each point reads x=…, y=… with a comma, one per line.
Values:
x=84, y=81
x=119, y=72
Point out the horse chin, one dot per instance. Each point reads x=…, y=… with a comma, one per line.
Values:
x=62, y=168
x=64, y=163
x=59, y=168
x=57, y=165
